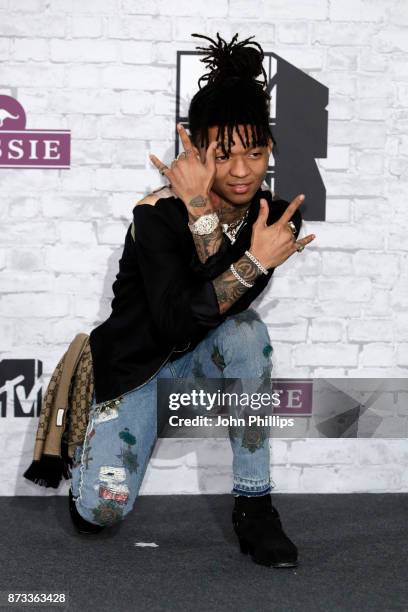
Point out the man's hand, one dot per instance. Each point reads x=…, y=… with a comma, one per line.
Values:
x=273, y=244
x=190, y=179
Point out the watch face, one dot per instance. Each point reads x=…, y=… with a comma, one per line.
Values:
x=205, y=224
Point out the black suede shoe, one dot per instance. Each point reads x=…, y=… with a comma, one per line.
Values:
x=80, y=523
x=259, y=529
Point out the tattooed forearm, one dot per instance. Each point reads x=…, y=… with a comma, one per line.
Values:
x=228, y=288
x=208, y=244
x=199, y=201
x=198, y=206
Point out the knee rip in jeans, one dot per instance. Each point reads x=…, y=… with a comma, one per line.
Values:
x=112, y=474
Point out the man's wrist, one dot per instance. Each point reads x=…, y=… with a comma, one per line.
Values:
x=197, y=206
x=195, y=215
x=197, y=201
x=205, y=224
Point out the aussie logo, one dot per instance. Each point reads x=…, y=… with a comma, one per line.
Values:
x=298, y=119
x=4, y=114
x=24, y=148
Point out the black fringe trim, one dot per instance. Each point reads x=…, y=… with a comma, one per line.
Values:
x=50, y=469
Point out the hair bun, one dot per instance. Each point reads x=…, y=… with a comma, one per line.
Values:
x=241, y=62
x=234, y=60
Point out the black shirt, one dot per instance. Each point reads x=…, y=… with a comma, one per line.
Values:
x=164, y=301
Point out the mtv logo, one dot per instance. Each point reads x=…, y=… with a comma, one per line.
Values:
x=20, y=387
x=298, y=121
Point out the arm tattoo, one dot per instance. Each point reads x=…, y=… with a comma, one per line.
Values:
x=208, y=244
x=228, y=288
x=198, y=201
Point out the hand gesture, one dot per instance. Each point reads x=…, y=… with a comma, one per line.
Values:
x=190, y=178
x=273, y=244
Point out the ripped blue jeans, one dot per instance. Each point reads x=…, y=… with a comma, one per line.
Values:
x=109, y=467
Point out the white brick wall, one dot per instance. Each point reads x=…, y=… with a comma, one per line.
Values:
x=105, y=69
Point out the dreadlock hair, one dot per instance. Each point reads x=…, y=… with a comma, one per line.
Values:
x=232, y=96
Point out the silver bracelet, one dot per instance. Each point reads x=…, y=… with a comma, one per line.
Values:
x=256, y=262
x=238, y=277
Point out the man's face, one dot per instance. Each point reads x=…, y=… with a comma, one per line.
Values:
x=245, y=167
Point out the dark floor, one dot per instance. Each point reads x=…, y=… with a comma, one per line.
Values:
x=352, y=552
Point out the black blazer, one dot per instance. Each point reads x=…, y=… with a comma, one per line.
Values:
x=164, y=301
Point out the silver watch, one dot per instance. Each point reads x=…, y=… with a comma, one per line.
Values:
x=204, y=224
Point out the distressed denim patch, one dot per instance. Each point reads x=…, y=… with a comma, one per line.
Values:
x=253, y=438
x=107, y=512
x=127, y=456
x=118, y=493
x=267, y=350
x=112, y=474
x=217, y=358
x=107, y=411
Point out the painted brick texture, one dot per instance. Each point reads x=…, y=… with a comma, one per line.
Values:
x=105, y=69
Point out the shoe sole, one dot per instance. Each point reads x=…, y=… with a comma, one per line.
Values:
x=276, y=565
x=247, y=549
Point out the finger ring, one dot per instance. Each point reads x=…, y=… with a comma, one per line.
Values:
x=187, y=151
x=299, y=247
x=292, y=226
x=182, y=155
x=162, y=169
